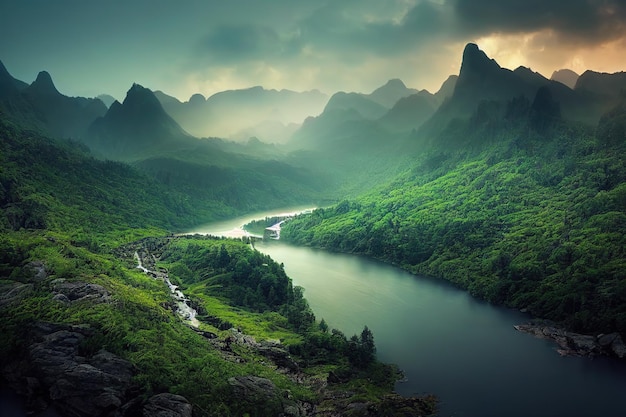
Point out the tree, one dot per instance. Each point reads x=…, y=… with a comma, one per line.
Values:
x=323, y=326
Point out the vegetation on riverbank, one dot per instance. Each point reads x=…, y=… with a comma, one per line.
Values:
x=530, y=218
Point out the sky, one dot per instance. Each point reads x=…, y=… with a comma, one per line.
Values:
x=184, y=47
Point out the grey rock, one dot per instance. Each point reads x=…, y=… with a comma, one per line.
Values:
x=252, y=387
x=37, y=271
x=606, y=339
x=279, y=356
x=618, y=347
x=167, y=405
x=61, y=298
x=78, y=386
x=583, y=344
x=80, y=291
x=14, y=292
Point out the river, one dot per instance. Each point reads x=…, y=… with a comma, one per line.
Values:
x=447, y=343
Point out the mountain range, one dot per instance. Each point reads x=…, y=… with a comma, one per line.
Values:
x=505, y=183
x=230, y=114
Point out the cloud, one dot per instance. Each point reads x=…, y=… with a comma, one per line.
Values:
x=233, y=43
x=574, y=21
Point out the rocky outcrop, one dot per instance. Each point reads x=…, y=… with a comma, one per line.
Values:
x=576, y=344
x=14, y=293
x=254, y=390
x=69, y=292
x=37, y=271
x=167, y=405
x=271, y=349
x=55, y=372
x=252, y=387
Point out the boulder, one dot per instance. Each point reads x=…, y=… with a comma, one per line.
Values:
x=167, y=405
x=605, y=340
x=78, y=386
x=279, y=356
x=252, y=387
x=37, y=271
x=618, y=347
x=79, y=291
x=13, y=293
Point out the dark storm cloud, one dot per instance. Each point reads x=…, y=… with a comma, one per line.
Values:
x=583, y=21
x=337, y=26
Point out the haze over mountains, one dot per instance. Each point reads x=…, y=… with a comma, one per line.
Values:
x=328, y=136
x=241, y=114
x=275, y=116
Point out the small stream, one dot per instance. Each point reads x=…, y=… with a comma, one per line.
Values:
x=184, y=310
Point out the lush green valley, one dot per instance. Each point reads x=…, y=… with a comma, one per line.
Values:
x=523, y=213
x=73, y=299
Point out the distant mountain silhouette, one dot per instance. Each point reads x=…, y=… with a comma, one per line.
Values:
x=482, y=79
x=136, y=128
x=565, y=76
x=228, y=113
x=602, y=84
x=106, y=99
x=447, y=88
x=40, y=105
x=8, y=85
x=412, y=111
x=362, y=104
x=389, y=94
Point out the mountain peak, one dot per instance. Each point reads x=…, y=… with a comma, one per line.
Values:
x=395, y=83
x=139, y=97
x=476, y=61
x=565, y=76
x=391, y=92
x=43, y=84
x=197, y=99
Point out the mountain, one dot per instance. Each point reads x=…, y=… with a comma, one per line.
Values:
x=410, y=112
x=106, y=99
x=565, y=76
x=486, y=212
x=363, y=105
x=40, y=105
x=136, y=128
x=226, y=114
x=447, y=88
x=8, y=85
x=389, y=94
x=602, y=84
x=482, y=79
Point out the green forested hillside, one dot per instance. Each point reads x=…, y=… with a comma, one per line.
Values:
x=516, y=205
x=84, y=330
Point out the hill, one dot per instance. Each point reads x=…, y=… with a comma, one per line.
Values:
x=136, y=128
x=96, y=335
x=517, y=206
x=42, y=106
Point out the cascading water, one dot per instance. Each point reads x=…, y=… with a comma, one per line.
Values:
x=183, y=308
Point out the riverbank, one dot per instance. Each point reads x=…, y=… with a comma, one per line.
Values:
x=576, y=344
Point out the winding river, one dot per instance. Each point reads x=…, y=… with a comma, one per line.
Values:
x=447, y=343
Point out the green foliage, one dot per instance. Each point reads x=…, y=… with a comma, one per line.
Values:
x=68, y=212
x=523, y=215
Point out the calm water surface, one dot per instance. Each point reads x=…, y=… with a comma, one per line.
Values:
x=464, y=351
